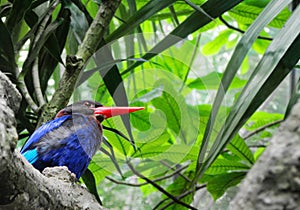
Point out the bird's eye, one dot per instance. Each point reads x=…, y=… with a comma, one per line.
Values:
x=87, y=104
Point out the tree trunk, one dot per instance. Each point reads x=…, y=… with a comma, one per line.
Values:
x=22, y=186
x=274, y=180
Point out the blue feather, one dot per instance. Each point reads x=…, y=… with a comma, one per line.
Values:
x=68, y=141
x=44, y=129
x=31, y=155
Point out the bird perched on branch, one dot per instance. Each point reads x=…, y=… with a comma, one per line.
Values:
x=72, y=138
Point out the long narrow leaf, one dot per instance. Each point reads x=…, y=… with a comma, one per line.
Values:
x=114, y=83
x=235, y=62
x=90, y=182
x=195, y=21
x=281, y=56
x=140, y=16
x=7, y=56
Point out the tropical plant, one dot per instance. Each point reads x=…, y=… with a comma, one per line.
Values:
x=202, y=69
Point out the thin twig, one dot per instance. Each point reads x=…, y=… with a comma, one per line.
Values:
x=159, y=187
x=36, y=82
x=180, y=174
x=239, y=30
x=145, y=183
x=179, y=197
x=262, y=128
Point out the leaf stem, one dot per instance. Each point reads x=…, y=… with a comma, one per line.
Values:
x=158, y=187
x=241, y=31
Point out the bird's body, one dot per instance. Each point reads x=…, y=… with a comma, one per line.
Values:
x=68, y=141
x=71, y=139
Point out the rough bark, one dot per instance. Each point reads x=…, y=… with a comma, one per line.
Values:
x=75, y=63
x=274, y=181
x=23, y=187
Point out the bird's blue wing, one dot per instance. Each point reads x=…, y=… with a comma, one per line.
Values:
x=41, y=131
x=31, y=155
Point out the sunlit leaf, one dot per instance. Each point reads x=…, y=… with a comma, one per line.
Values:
x=220, y=183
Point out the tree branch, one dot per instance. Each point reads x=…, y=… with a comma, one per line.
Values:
x=179, y=197
x=273, y=181
x=241, y=31
x=262, y=128
x=158, y=187
x=75, y=64
x=36, y=82
x=22, y=186
x=177, y=171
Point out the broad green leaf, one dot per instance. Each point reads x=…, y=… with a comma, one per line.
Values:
x=214, y=46
x=122, y=146
x=238, y=147
x=141, y=121
x=221, y=166
x=7, y=60
x=258, y=153
x=260, y=118
x=101, y=166
x=17, y=12
x=220, y=183
x=261, y=3
x=246, y=14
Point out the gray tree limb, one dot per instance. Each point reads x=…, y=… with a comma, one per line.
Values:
x=22, y=186
x=75, y=63
x=274, y=180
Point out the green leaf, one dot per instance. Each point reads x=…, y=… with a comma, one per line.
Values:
x=101, y=166
x=17, y=12
x=261, y=3
x=238, y=147
x=34, y=51
x=178, y=187
x=7, y=56
x=281, y=56
x=214, y=46
x=114, y=83
x=212, y=81
x=260, y=118
x=220, y=183
x=50, y=56
x=221, y=166
x=194, y=22
x=246, y=14
x=231, y=69
x=89, y=181
x=138, y=17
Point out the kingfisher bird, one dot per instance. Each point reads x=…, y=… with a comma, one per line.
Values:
x=72, y=138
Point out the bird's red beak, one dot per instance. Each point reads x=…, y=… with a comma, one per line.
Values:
x=108, y=112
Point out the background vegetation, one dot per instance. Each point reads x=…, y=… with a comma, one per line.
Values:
x=205, y=72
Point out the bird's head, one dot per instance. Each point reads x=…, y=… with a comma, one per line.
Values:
x=96, y=109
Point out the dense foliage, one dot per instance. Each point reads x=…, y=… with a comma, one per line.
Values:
x=203, y=70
